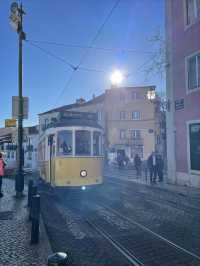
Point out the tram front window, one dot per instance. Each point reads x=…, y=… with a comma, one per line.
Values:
x=83, y=142
x=64, y=146
x=96, y=143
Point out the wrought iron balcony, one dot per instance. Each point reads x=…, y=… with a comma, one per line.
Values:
x=132, y=141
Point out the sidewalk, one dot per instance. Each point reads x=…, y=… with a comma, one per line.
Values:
x=130, y=175
x=15, y=248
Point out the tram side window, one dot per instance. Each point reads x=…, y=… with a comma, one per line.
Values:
x=96, y=143
x=83, y=142
x=64, y=142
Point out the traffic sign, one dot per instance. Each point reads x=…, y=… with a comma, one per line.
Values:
x=15, y=107
x=10, y=123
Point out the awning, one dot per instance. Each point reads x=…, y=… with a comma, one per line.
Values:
x=6, y=139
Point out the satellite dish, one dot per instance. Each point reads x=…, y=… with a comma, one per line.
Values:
x=14, y=7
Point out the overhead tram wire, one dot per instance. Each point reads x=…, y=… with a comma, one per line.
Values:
x=75, y=68
x=99, y=31
x=78, y=67
x=60, y=59
x=83, y=68
x=139, y=68
x=91, y=44
x=91, y=47
x=52, y=55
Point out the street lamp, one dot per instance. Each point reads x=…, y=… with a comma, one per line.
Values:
x=116, y=77
x=16, y=20
x=163, y=103
x=161, y=106
x=151, y=95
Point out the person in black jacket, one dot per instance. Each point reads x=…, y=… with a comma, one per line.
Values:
x=138, y=163
x=159, y=167
x=152, y=167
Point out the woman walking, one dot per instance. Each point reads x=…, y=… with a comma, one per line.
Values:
x=2, y=172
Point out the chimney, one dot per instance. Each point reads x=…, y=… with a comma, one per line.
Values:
x=80, y=101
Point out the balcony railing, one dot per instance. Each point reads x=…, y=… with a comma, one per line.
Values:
x=132, y=141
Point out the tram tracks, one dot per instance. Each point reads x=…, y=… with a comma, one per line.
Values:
x=176, y=204
x=134, y=242
x=139, y=242
x=121, y=249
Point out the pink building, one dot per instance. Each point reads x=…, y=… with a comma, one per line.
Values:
x=183, y=91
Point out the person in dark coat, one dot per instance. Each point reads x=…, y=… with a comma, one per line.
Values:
x=159, y=167
x=120, y=160
x=152, y=167
x=145, y=169
x=138, y=163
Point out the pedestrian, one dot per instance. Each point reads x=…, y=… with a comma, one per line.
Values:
x=2, y=172
x=152, y=167
x=145, y=169
x=119, y=160
x=138, y=163
x=126, y=160
x=159, y=167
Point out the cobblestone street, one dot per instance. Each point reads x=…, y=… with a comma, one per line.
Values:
x=120, y=205
x=15, y=248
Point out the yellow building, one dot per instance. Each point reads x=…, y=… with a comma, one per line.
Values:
x=130, y=121
x=127, y=116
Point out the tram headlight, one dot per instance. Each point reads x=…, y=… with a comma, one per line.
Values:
x=83, y=173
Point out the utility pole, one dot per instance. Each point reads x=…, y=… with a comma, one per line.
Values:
x=16, y=18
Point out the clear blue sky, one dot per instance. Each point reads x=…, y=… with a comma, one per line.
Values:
x=75, y=22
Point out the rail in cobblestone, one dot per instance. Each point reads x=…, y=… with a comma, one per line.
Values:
x=144, y=228
x=121, y=249
x=175, y=203
x=158, y=249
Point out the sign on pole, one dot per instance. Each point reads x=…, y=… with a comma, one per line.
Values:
x=15, y=107
x=10, y=122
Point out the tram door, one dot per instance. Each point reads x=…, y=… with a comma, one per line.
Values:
x=51, y=155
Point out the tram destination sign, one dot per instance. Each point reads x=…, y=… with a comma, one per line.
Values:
x=78, y=115
x=15, y=107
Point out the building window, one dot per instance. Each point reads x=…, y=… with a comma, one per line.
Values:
x=99, y=115
x=192, y=11
x=13, y=155
x=29, y=155
x=8, y=155
x=46, y=122
x=135, y=115
x=158, y=140
x=122, y=96
x=194, y=140
x=135, y=134
x=122, y=115
x=137, y=149
x=64, y=142
x=122, y=134
x=193, y=72
x=134, y=95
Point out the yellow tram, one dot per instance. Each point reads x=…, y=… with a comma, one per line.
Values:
x=70, y=151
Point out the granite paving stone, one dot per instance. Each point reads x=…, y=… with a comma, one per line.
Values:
x=15, y=247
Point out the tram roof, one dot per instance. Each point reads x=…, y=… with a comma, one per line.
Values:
x=75, y=122
x=74, y=118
